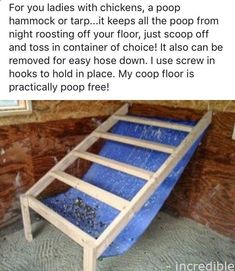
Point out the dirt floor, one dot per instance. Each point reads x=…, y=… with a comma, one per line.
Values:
x=168, y=241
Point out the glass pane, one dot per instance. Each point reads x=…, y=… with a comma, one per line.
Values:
x=7, y=103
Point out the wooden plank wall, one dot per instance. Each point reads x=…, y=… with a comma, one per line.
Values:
x=28, y=151
x=205, y=193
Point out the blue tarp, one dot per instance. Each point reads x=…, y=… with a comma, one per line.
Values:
x=93, y=216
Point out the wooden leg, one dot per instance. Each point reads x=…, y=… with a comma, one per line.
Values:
x=26, y=218
x=89, y=259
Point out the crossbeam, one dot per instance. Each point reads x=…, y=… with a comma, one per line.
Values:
x=138, y=172
x=156, y=123
x=91, y=190
x=136, y=142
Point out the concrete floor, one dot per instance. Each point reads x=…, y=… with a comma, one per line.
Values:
x=168, y=241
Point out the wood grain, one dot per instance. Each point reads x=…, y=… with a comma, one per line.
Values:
x=28, y=151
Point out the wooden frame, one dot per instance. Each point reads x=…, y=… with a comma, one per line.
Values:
x=93, y=248
x=23, y=107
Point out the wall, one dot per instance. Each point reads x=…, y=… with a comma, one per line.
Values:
x=56, y=110
x=223, y=106
x=44, y=111
x=205, y=193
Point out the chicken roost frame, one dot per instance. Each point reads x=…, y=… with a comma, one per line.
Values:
x=93, y=248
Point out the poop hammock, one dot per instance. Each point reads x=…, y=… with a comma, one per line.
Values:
x=111, y=206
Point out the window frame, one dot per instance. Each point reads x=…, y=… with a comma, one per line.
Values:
x=23, y=107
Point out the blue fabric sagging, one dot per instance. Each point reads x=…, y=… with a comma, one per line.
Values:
x=93, y=216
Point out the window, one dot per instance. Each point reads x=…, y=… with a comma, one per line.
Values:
x=14, y=107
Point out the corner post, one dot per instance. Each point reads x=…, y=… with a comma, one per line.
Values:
x=26, y=218
x=89, y=259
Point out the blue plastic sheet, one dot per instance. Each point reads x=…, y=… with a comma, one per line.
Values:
x=93, y=216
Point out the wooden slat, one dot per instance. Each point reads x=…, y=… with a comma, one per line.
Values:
x=148, y=189
x=91, y=190
x=136, y=142
x=89, y=259
x=157, y=123
x=79, y=236
x=129, y=169
x=26, y=218
x=46, y=180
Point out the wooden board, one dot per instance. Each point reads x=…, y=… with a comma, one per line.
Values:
x=138, y=172
x=156, y=123
x=91, y=190
x=136, y=142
